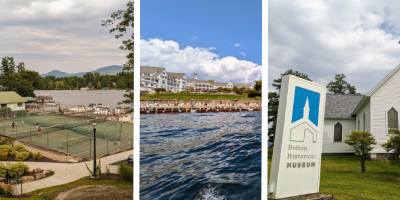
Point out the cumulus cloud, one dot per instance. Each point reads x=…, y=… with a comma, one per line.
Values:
x=321, y=38
x=203, y=61
x=60, y=34
x=236, y=44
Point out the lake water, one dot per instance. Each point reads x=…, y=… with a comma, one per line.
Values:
x=203, y=156
x=84, y=97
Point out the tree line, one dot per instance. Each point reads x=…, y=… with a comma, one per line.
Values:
x=15, y=77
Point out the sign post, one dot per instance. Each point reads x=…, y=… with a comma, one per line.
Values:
x=296, y=160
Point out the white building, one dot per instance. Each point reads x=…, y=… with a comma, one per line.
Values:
x=157, y=77
x=12, y=100
x=176, y=82
x=198, y=85
x=152, y=78
x=376, y=112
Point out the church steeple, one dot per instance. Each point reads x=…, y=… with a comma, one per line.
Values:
x=306, y=110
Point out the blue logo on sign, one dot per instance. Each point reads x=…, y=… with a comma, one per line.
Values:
x=305, y=105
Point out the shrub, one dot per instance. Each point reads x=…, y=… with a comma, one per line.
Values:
x=22, y=155
x=126, y=172
x=3, y=155
x=6, y=148
x=17, y=169
x=5, y=190
x=253, y=93
x=393, y=143
x=19, y=147
x=362, y=142
x=37, y=156
x=6, y=140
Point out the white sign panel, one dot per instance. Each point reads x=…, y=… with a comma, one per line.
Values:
x=296, y=160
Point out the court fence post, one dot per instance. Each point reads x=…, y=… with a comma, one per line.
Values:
x=67, y=144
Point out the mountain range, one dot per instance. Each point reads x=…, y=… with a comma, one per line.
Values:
x=108, y=70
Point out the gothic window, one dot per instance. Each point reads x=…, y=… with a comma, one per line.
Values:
x=337, y=137
x=393, y=121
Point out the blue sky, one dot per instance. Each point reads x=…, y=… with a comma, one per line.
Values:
x=206, y=23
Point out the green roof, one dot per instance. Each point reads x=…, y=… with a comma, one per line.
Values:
x=11, y=97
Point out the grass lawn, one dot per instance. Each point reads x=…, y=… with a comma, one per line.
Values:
x=194, y=96
x=341, y=176
x=52, y=192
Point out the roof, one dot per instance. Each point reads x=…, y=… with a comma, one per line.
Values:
x=341, y=106
x=150, y=70
x=176, y=75
x=201, y=81
x=386, y=79
x=11, y=97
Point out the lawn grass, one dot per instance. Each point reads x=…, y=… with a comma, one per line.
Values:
x=52, y=192
x=194, y=96
x=341, y=176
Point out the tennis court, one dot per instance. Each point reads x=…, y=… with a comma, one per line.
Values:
x=70, y=134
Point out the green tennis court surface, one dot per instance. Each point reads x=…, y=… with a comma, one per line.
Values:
x=70, y=134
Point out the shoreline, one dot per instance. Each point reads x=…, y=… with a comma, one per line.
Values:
x=197, y=106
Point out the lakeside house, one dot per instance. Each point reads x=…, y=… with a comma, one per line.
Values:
x=152, y=78
x=376, y=112
x=12, y=100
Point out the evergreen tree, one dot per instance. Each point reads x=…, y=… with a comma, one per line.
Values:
x=340, y=86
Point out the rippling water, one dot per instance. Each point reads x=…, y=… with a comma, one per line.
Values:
x=203, y=156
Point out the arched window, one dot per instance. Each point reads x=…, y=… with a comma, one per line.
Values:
x=337, y=137
x=393, y=120
x=363, y=121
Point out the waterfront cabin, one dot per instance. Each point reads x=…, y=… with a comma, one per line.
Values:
x=12, y=100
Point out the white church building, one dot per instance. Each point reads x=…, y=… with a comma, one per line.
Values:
x=376, y=112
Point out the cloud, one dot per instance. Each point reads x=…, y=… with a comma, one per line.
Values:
x=209, y=65
x=322, y=38
x=59, y=34
x=236, y=44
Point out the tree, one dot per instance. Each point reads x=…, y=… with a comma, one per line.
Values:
x=362, y=142
x=340, y=86
x=7, y=66
x=21, y=67
x=273, y=100
x=256, y=91
x=393, y=143
x=122, y=26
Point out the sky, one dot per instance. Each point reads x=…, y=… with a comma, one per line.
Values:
x=59, y=34
x=219, y=40
x=324, y=37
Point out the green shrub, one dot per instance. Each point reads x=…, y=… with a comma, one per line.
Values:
x=19, y=147
x=126, y=172
x=6, y=148
x=6, y=140
x=22, y=155
x=17, y=169
x=37, y=156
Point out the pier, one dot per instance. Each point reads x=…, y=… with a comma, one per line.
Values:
x=201, y=106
